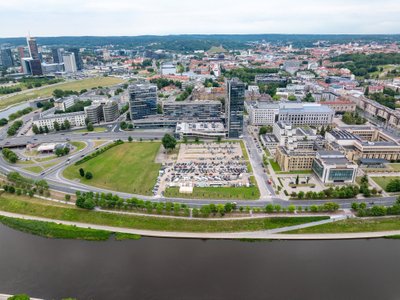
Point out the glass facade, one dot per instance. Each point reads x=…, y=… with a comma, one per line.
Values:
x=338, y=175
x=142, y=101
x=317, y=168
x=235, y=108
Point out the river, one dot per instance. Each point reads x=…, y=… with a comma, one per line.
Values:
x=153, y=268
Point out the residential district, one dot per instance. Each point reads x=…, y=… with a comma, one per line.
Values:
x=266, y=122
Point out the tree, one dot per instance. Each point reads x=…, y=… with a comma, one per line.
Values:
x=82, y=172
x=19, y=297
x=67, y=124
x=90, y=127
x=169, y=142
x=292, y=98
x=297, y=179
x=35, y=129
x=88, y=175
x=67, y=197
x=46, y=129
x=196, y=139
x=130, y=139
x=59, y=152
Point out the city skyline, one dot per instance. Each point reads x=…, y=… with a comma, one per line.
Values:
x=222, y=17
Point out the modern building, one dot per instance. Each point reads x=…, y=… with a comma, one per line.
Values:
x=6, y=57
x=94, y=113
x=32, y=66
x=65, y=103
x=57, y=54
x=33, y=48
x=110, y=111
x=199, y=110
x=263, y=113
x=201, y=130
x=334, y=167
x=142, y=101
x=77, y=57
x=235, y=107
x=69, y=63
x=52, y=68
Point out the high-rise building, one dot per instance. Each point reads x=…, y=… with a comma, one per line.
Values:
x=69, y=63
x=6, y=57
x=57, y=54
x=142, y=101
x=78, y=58
x=235, y=107
x=33, y=48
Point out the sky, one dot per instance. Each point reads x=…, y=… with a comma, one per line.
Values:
x=163, y=17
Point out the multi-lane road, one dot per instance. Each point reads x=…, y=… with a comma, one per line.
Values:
x=57, y=182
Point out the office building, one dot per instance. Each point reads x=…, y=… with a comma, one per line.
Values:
x=142, y=101
x=65, y=103
x=235, y=107
x=57, y=54
x=6, y=58
x=295, y=159
x=69, y=63
x=77, y=57
x=110, y=111
x=47, y=118
x=94, y=113
x=32, y=66
x=263, y=113
x=334, y=167
x=199, y=110
x=33, y=48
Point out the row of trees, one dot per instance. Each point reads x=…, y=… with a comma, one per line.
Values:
x=185, y=94
x=20, y=113
x=353, y=118
x=10, y=155
x=344, y=192
x=61, y=151
x=13, y=129
x=98, y=152
x=376, y=210
x=27, y=185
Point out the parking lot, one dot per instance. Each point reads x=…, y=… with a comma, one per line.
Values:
x=205, y=165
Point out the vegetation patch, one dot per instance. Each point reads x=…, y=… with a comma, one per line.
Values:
x=240, y=193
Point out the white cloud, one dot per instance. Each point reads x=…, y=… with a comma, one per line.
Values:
x=138, y=17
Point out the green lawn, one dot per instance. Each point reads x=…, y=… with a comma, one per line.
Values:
x=395, y=167
x=384, y=180
x=234, y=193
x=53, y=230
x=95, y=129
x=48, y=90
x=300, y=172
x=354, y=225
x=129, y=167
x=35, y=169
x=78, y=145
x=246, y=156
x=46, y=209
x=275, y=166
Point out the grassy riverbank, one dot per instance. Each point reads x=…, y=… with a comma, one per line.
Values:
x=42, y=208
x=354, y=225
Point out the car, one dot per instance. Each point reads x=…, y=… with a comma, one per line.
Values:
x=82, y=155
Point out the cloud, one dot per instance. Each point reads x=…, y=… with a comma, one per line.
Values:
x=139, y=17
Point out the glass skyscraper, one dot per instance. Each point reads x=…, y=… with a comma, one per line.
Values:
x=142, y=101
x=235, y=107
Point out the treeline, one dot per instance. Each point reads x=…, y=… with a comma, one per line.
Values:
x=353, y=118
x=31, y=82
x=387, y=98
x=362, y=64
x=13, y=129
x=247, y=75
x=20, y=113
x=376, y=210
x=98, y=152
x=9, y=155
x=25, y=186
x=9, y=90
x=186, y=93
x=344, y=192
x=163, y=82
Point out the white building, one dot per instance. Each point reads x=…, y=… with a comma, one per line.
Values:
x=76, y=119
x=263, y=113
x=69, y=63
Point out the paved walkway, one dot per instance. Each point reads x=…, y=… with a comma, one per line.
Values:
x=263, y=234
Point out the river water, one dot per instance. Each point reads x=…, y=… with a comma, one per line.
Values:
x=153, y=268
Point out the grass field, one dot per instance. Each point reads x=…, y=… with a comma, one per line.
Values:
x=129, y=167
x=300, y=172
x=275, y=166
x=41, y=208
x=354, y=225
x=35, y=169
x=384, y=180
x=234, y=193
x=48, y=90
x=246, y=157
x=395, y=167
x=78, y=145
x=95, y=129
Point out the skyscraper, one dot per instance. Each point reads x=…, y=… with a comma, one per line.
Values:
x=235, y=107
x=78, y=58
x=69, y=63
x=142, y=101
x=6, y=57
x=32, y=47
x=57, y=54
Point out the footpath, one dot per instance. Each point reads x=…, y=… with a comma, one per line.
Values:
x=272, y=234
